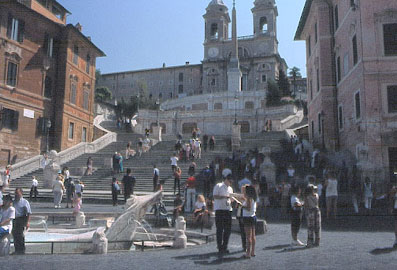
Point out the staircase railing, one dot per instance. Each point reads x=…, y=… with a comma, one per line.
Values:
x=27, y=166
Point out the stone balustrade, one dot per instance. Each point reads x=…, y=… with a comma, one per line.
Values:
x=27, y=166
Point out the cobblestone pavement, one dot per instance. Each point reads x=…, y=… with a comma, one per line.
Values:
x=339, y=250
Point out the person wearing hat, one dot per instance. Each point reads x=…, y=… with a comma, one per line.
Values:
x=7, y=215
x=223, y=213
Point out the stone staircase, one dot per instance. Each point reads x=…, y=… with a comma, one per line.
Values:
x=98, y=185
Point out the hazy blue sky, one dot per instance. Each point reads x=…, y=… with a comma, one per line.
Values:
x=139, y=34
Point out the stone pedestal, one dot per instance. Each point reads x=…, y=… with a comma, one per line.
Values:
x=180, y=240
x=5, y=246
x=267, y=168
x=51, y=170
x=236, y=137
x=156, y=133
x=80, y=219
x=180, y=225
x=99, y=242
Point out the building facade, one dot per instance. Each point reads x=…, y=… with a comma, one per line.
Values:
x=258, y=56
x=352, y=80
x=47, y=80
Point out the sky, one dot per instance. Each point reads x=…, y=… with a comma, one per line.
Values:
x=141, y=34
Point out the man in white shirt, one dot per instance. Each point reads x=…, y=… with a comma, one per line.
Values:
x=33, y=189
x=174, y=162
x=22, y=217
x=223, y=213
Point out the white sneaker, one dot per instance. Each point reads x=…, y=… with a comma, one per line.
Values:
x=297, y=243
x=56, y=206
x=300, y=243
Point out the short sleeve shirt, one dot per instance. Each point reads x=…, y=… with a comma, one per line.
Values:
x=222, y=189
x=7, y=214
x=22, y=208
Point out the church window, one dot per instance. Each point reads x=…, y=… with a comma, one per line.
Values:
x=264, y=78
x=180, y=89
x=242, y=52
x=214, y=31
x=392, y=98
x=390, y=39
x=218, y=106
x=249, y=105
x=263, y=25
x=213, y=82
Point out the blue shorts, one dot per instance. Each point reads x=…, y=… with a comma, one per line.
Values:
x=3, y=232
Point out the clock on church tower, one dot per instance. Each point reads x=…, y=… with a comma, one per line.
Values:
x=213, y=52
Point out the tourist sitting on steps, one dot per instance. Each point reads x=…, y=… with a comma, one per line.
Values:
x=200, y=213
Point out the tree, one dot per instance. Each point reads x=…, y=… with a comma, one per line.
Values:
x=103, y=94
x=97, y=75
x=273, y=97
x=283, y=84
x=295, y=73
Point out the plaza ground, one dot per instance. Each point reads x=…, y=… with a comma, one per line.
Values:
x=339, y=250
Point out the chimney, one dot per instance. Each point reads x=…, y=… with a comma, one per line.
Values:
x=79, y=27
x=163, y=65
x=187, y=63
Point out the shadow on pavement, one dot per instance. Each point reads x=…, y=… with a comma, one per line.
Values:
x=292, y=249
x=203, y=256
x=220, y=260
x=380, y=251
x=276, y=247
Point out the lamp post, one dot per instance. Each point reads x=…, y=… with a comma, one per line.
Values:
x=235, y=109
x=48, y=126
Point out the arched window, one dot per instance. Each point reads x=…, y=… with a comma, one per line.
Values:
x=263, y=25
x=242, y=52
x=214, y=31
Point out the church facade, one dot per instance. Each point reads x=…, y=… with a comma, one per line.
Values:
x=257, y=57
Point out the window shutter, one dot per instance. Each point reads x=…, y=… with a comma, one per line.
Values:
x=21, y=31
x=15, y=120
x=45, y=45
x=9, y=25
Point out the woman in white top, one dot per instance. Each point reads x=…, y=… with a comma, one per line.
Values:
x=249, y=219
x=331, y=194
x=368, y=194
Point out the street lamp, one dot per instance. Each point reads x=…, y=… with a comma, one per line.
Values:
x=235, y=109
x=48, y=126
